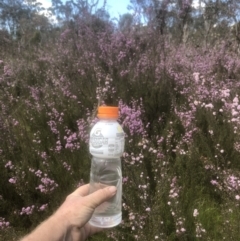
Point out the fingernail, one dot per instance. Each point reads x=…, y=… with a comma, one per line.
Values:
x=112, y=189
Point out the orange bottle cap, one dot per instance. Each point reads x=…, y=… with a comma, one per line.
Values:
x=110, y=112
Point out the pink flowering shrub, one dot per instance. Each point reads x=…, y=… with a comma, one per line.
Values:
x=179, y=107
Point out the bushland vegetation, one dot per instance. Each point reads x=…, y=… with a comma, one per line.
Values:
x=172, y=67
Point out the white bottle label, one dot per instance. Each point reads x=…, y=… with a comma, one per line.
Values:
x=106, y=139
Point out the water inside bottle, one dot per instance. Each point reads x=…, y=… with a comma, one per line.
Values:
x=107, y=173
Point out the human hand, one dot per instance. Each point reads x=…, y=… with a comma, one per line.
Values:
x=77, y=210
x=70, y=221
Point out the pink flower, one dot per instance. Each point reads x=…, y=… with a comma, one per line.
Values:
x=214, y=182
x=43, y=207
x=13, y=180
x=195, y=213
x=209, y=106
x=125, y=179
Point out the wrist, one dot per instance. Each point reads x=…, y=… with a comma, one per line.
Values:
x=60, y=221
x=54, y=229
x=65, y=226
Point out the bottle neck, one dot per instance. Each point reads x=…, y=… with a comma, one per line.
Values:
x=107, y=119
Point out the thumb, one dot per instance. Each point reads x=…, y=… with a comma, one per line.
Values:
x=93, y=200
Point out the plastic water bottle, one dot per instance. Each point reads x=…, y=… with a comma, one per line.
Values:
x=106, y=146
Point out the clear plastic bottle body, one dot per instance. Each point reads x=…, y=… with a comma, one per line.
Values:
x=106, y=146
x=107, y=172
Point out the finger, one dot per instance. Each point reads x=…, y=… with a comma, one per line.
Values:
x=95, y=199
x=92, y=230
x=81, y=191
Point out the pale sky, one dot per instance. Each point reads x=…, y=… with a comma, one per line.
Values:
x=114, y=7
